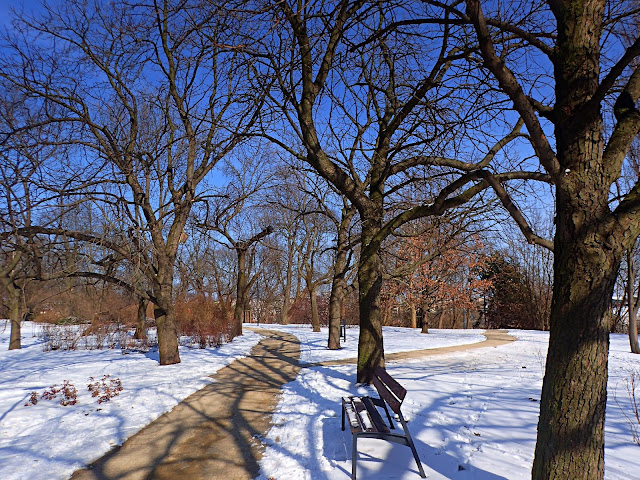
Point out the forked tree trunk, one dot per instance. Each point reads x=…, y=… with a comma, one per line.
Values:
x=633, y=304
x=588, y=249
x=370, y=344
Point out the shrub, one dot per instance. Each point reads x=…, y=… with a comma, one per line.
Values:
x=67, y=391
x=105, y=389
x=202, y=322
x=60, y=337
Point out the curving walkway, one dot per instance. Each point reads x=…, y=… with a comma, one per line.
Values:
x=214, y=433
x=493, y=338
x=217, y=431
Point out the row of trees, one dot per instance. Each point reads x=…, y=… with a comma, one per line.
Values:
x=411, y=111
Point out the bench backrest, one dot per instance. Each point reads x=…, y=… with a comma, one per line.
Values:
x=389, y=390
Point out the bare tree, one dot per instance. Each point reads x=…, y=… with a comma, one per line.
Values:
x=150, y=97
x=230, y=213
x=583, y=163
x=375, y=113
x=21, y=199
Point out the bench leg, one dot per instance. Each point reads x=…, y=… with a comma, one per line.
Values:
x=415, y=453
x=354, y=457
x=343, y=412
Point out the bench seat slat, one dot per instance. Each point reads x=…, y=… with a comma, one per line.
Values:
x=352, y=416
x=363, y=415
x=375, y=415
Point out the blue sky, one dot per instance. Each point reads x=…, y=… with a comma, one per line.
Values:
x=7, y=5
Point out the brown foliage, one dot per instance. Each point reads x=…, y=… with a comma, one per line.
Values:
x=300, y=310
x=205, y=321
x=87, y=304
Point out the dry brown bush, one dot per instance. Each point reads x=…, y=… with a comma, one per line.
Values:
x=203, y=320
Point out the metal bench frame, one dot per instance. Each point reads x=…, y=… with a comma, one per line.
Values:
x=365, y=419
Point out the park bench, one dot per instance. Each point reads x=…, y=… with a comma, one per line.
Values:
x=365, y=419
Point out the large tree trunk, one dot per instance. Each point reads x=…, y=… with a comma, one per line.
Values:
x=164, y=314
x=570, y=440
x=425, y=321
x=370, y=344
x=633, y=304
x=588, y=248
x=14, y=300
x=587, y=255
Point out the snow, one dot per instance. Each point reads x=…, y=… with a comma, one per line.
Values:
x=472, y=414
x=48, y=441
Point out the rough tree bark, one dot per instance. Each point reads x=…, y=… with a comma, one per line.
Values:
x=590, y=239
x=164, y=314
x=370, y=342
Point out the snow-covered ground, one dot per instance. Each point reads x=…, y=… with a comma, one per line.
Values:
x=473, y=415
x=48, y=441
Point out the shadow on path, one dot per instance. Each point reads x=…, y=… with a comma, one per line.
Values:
x=214, y=433
x=217, y=431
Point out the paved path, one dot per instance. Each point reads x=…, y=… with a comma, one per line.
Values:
x=215, y=433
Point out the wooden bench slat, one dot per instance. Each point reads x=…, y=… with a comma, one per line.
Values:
x=352, y=416
x=387, y=395
x=363, y=414
x=375, y=415
x=391, y=383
